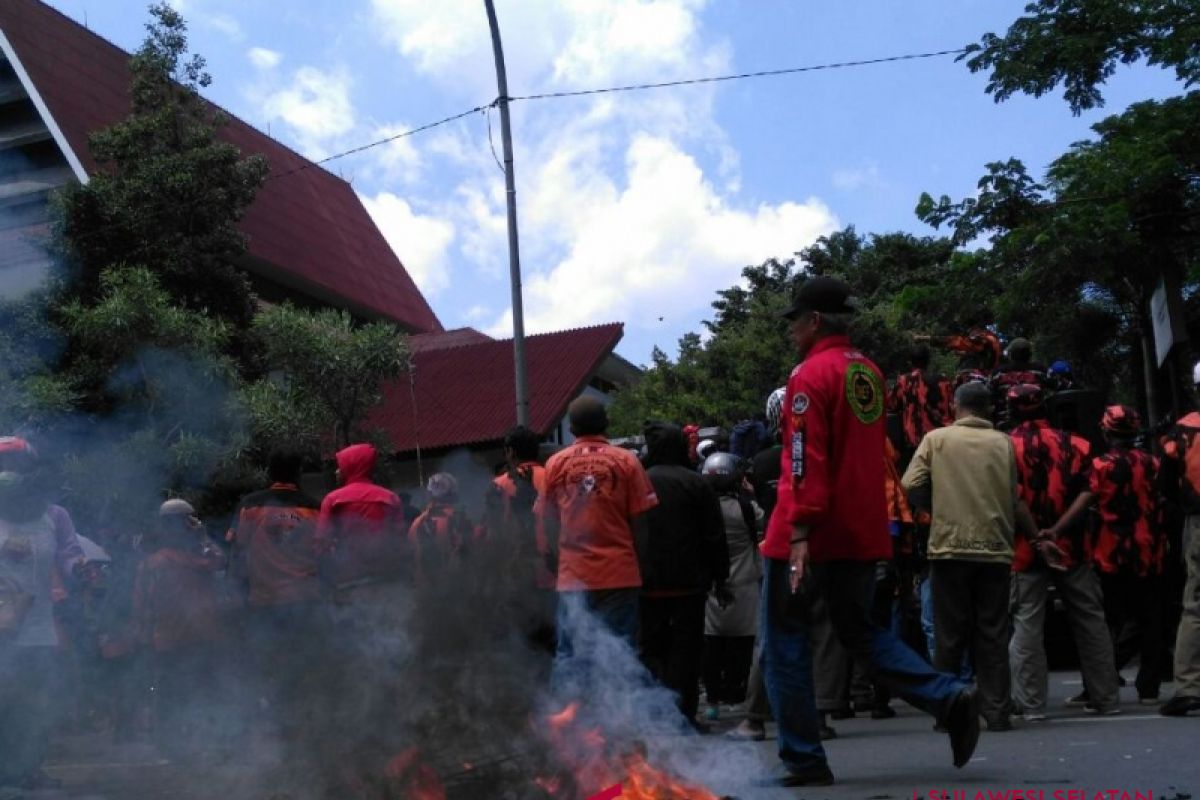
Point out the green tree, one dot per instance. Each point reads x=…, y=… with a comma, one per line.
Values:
x=326, y=373
x=1079, y=43
x=168, y=193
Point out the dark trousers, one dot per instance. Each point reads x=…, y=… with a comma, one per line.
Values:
x=970, y=615
x=727, y=668
x=672, y=645
x=847, y=587
x=31, y=706
x=1133, y=608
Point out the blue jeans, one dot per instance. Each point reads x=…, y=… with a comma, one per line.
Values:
x=847, y=587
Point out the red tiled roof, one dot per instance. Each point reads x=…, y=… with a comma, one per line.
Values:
x=308, y=231
x=457, y=337
x=476, y=381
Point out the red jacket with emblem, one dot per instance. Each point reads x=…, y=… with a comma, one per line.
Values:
x=832, y=475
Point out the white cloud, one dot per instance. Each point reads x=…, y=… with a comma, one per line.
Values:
x=316, y=107
x=864, y=177
x=476, y=313
x=224, y=24
x=262, y=58
x=660, y=246
x=421, y=242
x=399, y=159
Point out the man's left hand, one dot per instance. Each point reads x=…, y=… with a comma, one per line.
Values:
x=797, y=565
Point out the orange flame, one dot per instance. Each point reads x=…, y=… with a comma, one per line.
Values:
x=410, y=778
x=593, y=765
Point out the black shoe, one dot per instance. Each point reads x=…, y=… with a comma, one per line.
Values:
x=702, y=728
x=1078, y=701
x=999, y=725
x=842, y=713
x=1180, y=706
x=883, y=712
x=827, y=732
x=787, y=778
x=962, y=721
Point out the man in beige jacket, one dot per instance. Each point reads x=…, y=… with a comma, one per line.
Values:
x=967, y=475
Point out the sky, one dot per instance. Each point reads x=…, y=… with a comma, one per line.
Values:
x=634, y=207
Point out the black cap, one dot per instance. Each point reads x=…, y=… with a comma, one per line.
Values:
x=823, y=294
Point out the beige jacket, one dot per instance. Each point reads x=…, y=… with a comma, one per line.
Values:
x=972, y=470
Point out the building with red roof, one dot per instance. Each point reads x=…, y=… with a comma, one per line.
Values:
x=310, y=241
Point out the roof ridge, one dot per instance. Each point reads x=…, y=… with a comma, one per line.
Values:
x=87, y=30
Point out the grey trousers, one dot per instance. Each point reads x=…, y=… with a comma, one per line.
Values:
x=1187, y=640
x=1079, y=588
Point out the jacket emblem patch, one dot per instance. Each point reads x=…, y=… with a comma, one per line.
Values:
x=864, y=393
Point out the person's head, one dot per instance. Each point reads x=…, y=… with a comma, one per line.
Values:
x=972, y=400
x=1120, y=424
x=822, y=307
x=1026, y=402
x=521, y=445
x=355, y=463
x=919, y=356
x=588, y=416
x=723, y=471
x=23, y=493
x=1020, y=351
x=775, y=410
x=442, y=488
x=283, y=466
x=177, y=518
x=665, y=445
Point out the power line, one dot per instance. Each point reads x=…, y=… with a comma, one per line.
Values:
x=385, y=140
x=739, y=76
x=628, y=88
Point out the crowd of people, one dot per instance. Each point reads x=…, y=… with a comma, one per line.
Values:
x=804, y=569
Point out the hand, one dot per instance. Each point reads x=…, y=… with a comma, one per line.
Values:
x=723, y=595
x=797, y=565
x=1052, y=554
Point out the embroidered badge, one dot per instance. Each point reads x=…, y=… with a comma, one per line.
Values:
x=864, y=392
x=799, y=403
x=798, y=454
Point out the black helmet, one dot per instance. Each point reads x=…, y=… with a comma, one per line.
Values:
x=723, y=471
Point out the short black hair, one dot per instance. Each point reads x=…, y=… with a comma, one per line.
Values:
x=919, y=356
x=283, y=465
x=974, y=398
x=523, y=442
x=588, y=416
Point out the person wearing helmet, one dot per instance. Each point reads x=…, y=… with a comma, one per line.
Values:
x=1053, y=468
x=1061, y=376
x=442, y=534
x=178, y=622
x=730, y=622
x=1181, y=462
x=40, y=554
x=683, y=557
x=1130, y=544
x=704, y=449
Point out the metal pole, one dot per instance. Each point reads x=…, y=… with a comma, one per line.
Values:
x=514, y=255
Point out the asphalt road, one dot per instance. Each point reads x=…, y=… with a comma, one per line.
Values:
x=1137, y=755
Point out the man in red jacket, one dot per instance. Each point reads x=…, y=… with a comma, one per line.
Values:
x=829, y=528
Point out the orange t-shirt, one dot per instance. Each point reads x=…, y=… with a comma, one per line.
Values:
x=595, y=488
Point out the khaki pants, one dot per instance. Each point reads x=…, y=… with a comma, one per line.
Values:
x=1187, y=640
x=1079, y=588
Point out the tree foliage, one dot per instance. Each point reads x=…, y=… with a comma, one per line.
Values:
x=326, y=372
x=1080, y=43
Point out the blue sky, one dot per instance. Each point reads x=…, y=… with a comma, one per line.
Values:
x=633, y=207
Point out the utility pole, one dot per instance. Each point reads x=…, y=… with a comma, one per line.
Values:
x=514, y=253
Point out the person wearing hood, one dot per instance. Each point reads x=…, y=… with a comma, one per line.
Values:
x=360, y=525
x=39, y=556
x=684, y=556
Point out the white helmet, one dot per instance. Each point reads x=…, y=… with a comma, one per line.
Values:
x=1196, y=374
x=775, y=409
x=705, y=448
